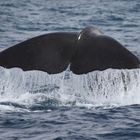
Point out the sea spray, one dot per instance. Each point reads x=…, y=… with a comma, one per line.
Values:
x=98, y=88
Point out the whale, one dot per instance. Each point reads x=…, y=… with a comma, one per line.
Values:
x=82, y=52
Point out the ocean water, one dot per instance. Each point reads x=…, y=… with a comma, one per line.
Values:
x=100, y=105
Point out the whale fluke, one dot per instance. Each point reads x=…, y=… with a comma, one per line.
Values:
x=86, y=51
x=50, y=53
x=96, y=51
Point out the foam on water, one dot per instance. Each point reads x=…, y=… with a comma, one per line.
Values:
x=25, y=90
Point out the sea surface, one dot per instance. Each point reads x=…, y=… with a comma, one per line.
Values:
x=100, y=105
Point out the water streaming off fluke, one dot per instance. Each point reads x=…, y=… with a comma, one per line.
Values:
x=31, y=89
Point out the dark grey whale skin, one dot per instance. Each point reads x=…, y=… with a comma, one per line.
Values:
x=86, y=51
x=50, y=53
x=96, y=51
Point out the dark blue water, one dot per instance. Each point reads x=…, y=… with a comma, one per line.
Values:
x=99, y=105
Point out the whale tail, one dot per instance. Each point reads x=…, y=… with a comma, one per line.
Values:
x=86, y=51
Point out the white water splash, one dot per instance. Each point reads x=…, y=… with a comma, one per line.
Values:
x=109, y=87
